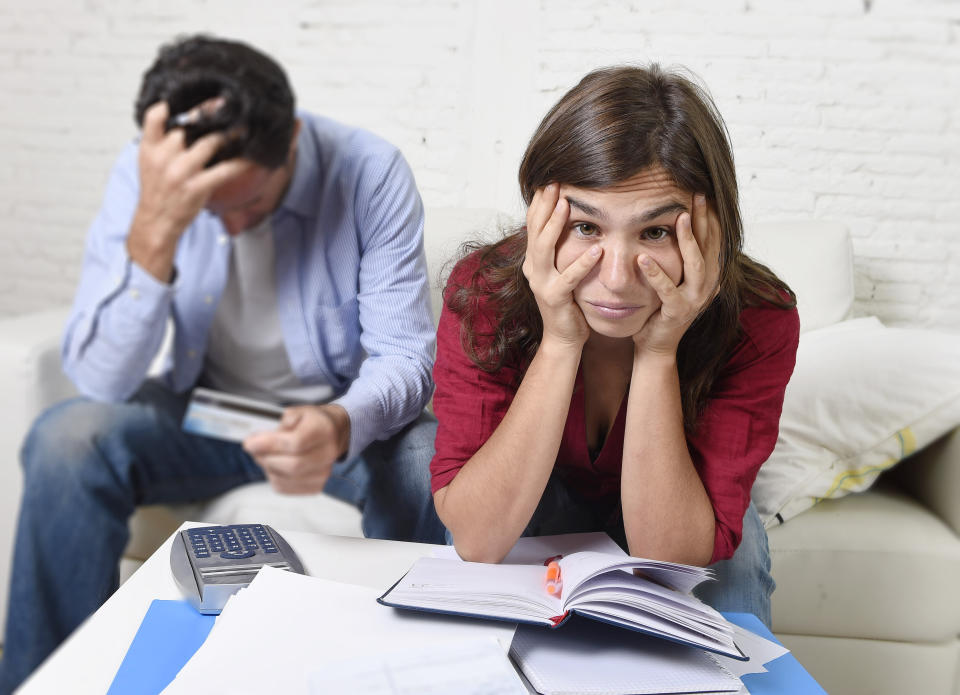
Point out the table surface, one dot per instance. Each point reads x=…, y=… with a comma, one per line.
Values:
x=89, y=659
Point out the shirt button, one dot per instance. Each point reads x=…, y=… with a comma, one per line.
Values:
x=135, y=293
x=192, y=354
x=222, y=239
x=208, y=299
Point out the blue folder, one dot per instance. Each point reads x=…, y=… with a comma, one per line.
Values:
x=784, y=675
x=172, y=631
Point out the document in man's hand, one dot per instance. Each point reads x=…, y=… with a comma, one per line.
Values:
x=648, y=596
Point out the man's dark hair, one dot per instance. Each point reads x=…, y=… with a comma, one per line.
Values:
x=258, y=108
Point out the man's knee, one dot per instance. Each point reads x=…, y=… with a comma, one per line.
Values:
x=61, y=435
x=69, y=445
x=404, y=459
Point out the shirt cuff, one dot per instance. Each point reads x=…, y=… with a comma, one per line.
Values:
x=366, y=419
x=141, y=293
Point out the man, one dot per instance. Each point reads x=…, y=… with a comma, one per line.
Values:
x=288, y=253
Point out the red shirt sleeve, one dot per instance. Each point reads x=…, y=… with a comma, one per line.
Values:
x=739, y=427
x=469, y=403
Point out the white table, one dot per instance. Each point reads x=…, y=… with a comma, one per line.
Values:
x=89, y=659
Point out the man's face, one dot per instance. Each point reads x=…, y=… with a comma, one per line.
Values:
x=246, y=200
x=630, y=219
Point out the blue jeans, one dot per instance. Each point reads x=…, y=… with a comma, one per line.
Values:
x=88, y=465
x=743, y=583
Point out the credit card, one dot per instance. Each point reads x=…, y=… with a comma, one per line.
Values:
x=225, y=416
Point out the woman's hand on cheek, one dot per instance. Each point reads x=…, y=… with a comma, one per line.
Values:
x=562, y=319
x=699, y=241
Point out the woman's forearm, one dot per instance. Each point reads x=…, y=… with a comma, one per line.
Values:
x=493, y=497
x=667, y=514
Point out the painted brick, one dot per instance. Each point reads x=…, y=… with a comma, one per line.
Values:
x=838, y=110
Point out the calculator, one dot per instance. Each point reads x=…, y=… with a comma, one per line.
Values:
x=211, y=563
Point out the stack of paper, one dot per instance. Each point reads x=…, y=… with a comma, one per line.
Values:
x=285, y=629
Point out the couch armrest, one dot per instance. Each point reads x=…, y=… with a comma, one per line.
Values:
x=932, y=475
x=30, y=362
x=32, y=380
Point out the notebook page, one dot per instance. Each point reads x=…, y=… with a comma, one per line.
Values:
x=516, y=592
x=579, y=567
x=591, y=658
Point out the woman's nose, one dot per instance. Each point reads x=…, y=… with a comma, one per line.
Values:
x=618, y=268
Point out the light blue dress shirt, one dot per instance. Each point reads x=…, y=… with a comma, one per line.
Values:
x=352, y=285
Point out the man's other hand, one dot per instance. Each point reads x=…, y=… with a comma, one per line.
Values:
x=174, y=187
x=298, y=457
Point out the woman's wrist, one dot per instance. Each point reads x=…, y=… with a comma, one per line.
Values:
x=653, y=360
x=557, y=349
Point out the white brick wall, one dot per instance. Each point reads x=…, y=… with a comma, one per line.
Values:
x=839, y=109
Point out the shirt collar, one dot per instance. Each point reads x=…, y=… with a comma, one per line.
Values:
x=301, y=195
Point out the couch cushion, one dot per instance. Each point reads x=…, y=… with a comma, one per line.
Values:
x=815, y=258
x=862, y=398
x=872, y=565
x=260, y=503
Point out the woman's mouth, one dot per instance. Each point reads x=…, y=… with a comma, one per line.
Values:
x=614, y=310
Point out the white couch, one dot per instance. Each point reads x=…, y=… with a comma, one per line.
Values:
x=866, y=593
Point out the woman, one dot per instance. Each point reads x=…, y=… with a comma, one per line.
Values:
x=618, y=364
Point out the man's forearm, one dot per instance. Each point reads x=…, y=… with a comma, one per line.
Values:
x=116, y=328
x=388, y=393
x=151, y=249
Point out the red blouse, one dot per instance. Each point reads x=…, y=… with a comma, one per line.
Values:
x=734, y=436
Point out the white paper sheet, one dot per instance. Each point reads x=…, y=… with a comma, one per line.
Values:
x=282, y=627
x=474, y=667
x=760, y=650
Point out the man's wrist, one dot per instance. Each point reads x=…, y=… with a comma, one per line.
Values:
x=153, y=249
x=341, y=420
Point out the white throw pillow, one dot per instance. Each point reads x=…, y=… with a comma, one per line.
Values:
x=862, y=397
x=791, y=249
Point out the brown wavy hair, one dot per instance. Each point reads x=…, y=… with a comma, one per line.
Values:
x=614, y=124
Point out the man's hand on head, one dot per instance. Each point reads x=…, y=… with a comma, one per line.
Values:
x=174, y=187
x=298, y=457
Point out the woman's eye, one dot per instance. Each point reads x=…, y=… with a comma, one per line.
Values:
x=656, y=233
x=585, y=230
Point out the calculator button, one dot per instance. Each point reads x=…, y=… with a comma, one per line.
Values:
x=237, y=555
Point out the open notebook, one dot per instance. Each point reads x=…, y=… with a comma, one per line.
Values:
x=596, y=585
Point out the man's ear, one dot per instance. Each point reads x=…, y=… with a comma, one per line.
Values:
x=296, y=133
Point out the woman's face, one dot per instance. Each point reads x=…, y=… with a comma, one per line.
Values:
x=634, y=218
